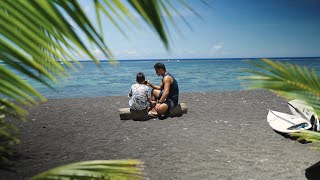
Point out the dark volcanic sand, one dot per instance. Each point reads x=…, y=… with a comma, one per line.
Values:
x=225, y=135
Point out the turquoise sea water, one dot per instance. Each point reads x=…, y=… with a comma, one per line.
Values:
x=193, y=75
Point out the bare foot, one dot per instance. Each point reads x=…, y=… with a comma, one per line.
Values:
x=152, y=114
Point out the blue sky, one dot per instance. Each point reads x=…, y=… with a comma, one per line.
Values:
x=228, y=29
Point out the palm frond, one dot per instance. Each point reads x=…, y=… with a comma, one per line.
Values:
x=98, y=169
x=151, y=13
x=309, y=136
x=7, y=138
x=37, y=34
x=290, y=81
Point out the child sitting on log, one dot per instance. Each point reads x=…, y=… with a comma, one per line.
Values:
x=140, y=94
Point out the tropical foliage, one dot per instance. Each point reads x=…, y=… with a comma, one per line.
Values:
x=37, y=34
x=99, y=169
x=309, y=136
x=290, y=81
x=6, y=139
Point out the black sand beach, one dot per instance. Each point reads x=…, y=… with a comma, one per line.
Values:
x=225, y=135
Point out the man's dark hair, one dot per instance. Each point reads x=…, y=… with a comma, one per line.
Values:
x=140, y=77
x=159, y=66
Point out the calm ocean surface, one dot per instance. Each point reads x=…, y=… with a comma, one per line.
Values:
x=207, y=75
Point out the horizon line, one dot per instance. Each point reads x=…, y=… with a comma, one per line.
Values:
x=230, y=58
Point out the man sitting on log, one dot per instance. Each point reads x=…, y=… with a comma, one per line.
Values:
x=165, y=96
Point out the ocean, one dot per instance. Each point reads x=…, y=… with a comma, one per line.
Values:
x=193, y=75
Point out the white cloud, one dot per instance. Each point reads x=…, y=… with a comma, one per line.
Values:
x=97, y=52
x=217, y=49
x=218, y=46
x=128, y=52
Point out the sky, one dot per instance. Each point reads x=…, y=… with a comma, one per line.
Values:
x=226, y=29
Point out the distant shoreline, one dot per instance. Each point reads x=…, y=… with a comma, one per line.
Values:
x=210, y=59
x=199, y=59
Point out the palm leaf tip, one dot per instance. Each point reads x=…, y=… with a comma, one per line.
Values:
x=308, y=136
x=98, y=169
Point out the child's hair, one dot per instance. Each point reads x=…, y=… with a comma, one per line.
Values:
x=140, y=77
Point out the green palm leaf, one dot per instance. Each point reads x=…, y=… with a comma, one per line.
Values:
x=35, y=35
x=151, y=13
x=290, y=81
x=99, y=169
x=309, y=136
x=6, y=137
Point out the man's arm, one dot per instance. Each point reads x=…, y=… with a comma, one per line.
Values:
x=166, y=88
x=155, y=87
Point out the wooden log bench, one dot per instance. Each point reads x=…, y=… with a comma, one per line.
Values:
x=142, y=115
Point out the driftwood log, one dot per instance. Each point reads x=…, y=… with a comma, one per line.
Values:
x=127, y=114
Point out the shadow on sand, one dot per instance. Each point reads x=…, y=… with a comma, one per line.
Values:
x=286, y=135
x=313, y=172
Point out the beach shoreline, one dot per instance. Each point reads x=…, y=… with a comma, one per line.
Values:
x=224, y=135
